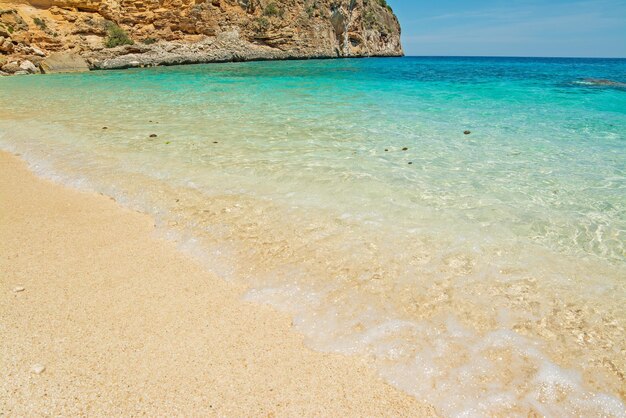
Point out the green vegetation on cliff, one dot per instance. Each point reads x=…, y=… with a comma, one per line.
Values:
x=116, y=36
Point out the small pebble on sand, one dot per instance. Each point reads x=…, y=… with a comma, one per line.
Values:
x=38, y=368
x=104, y=127
x=404, y=149
x=467, y=132
x=215, y=142
x=153, y=135
x=410, y=162
x=386, y=149
x=18, y=289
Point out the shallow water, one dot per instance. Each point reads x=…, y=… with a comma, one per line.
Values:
x=484, y=273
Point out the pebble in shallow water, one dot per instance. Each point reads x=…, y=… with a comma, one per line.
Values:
x=467, y=132
x=153, y=135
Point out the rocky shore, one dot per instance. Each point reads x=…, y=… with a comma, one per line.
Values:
x=78, y=35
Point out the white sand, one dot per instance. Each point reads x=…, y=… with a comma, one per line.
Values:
x=123, y=324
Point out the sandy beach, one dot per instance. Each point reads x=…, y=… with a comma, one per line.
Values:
x=124, y=324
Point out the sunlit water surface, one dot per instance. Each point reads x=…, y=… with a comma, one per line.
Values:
x=484, y=273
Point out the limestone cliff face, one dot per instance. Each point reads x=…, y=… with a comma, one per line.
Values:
x=181, y=31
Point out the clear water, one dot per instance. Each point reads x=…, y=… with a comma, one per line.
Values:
x=483, y=273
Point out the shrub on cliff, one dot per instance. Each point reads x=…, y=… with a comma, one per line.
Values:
x=116, y=36
x=261, y=24
x=40, y=22
x=273, y=10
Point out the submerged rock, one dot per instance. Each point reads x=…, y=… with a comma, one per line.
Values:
x=467, y=132
x=602, y=82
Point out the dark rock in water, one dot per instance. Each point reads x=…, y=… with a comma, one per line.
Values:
x=215, y=142
x=410, y=162
x=104, y=127
x=601, y=82
x=386, y=150
x=467, y=132
x=404, y=149
x=153, y=135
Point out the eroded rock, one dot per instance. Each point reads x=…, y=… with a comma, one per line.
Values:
x=29, y=67
x=11, y=67
x=63, y=62
x=196, y=32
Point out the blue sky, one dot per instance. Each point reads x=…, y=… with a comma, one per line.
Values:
x=555, y=28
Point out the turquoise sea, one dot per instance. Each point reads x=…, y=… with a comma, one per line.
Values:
x=484, y=272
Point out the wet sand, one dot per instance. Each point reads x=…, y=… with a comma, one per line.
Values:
x=127, y=325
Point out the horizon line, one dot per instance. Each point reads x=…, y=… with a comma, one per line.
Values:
x=512, y=56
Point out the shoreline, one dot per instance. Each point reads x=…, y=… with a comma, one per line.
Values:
x=193, y=60
x=124, y=323
x=463, y=269
x=147, y=60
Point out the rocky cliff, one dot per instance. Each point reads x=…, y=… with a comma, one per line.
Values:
x=129, y=33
